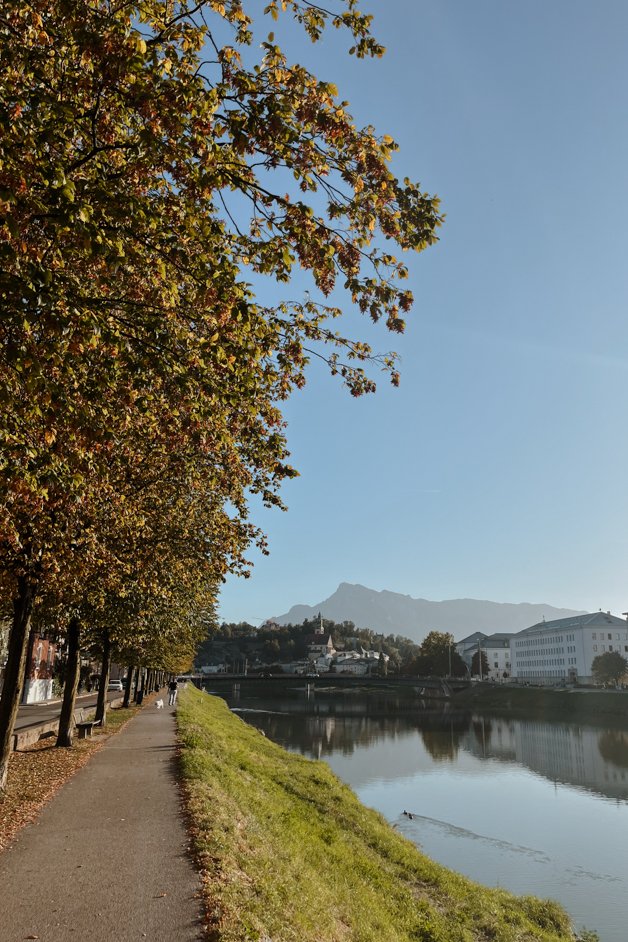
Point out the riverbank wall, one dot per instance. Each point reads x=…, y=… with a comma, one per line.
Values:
x=589, y=706
x=288, y=853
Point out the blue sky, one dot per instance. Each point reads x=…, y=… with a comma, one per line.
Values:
x=498, y=469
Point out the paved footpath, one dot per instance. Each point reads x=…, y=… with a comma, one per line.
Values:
x=107, y=858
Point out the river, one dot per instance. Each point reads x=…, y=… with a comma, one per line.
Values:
x=534, y=807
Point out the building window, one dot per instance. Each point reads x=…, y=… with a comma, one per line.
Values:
x=595, y=647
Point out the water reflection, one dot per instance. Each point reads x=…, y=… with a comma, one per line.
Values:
x=576, y=755
x=324, y=724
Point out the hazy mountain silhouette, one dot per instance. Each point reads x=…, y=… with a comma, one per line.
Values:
x=392, y=613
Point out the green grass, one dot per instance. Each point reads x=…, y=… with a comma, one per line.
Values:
x=117, y=717
x=288, y=853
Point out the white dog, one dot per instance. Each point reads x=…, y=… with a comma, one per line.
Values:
x=159, y=704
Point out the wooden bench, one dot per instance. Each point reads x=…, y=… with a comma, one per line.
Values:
x=86, y=728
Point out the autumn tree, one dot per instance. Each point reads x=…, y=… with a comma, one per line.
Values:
x=151, y=608
x=149, y=168
x=609, y=668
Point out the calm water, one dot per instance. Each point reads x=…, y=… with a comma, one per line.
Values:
x=535, y=807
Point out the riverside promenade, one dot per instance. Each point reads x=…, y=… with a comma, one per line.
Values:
x=107, y=859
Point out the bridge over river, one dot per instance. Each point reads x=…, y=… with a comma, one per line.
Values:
x=422, y=686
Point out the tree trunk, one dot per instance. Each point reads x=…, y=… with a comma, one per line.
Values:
x=136, y=683
x=14, y=671
x=103, y=683
x=140, y=693
x=30, y=647
x=128, y=686
x=72, y=676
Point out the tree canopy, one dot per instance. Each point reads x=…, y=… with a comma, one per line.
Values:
x=143, y=173
x=609, y=667
x=438, y=656
x=154, y=166
x=285, y=643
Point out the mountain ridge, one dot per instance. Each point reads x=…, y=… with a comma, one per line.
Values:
x=395, y=613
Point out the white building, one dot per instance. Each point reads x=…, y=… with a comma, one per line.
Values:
x=496, y=647
x=563, y=650
x=359, y=662
x=321, y=662
x=351, y=663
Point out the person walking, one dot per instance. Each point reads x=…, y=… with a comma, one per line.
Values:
x=172, y=691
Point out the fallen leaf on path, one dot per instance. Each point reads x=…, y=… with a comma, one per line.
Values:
x=35, y=775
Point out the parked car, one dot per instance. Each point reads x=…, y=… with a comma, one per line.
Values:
x=115, y=685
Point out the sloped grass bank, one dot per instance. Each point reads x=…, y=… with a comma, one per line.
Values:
x=288, y=853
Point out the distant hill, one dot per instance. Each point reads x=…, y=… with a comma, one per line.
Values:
x=392, y=613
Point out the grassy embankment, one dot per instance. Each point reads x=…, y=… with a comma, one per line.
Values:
x=288, y=853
